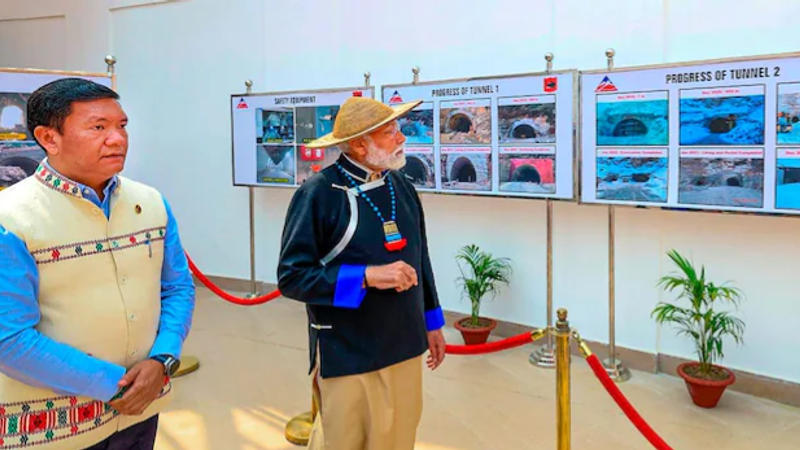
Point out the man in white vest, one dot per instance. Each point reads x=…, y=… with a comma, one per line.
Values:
x=96, y=298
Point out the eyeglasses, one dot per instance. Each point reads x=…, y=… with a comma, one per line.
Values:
x=392, y=130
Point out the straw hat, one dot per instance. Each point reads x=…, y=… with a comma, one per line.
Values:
x=359, y=116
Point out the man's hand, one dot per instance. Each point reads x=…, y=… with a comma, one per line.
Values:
x=397, y=275
x=144, y=382
x=436, y=346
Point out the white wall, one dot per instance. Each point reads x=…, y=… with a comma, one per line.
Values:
x=36, y=33
x=179, y=61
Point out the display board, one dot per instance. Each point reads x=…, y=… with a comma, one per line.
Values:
x=270, y=131
x=717, y=135
x=19, y=152
x=505, y=135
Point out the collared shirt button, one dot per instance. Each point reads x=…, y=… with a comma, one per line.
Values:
x=132, y=317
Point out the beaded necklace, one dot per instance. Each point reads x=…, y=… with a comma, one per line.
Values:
x=394, y=240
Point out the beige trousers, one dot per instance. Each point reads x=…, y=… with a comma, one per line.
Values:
x=377, y=410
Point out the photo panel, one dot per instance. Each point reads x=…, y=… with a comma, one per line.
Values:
x=466, y=168
x=275, y=164
x=632, y=175
x=314, y=122
x=312, y=160
x=787, y=189
x=465, y=122
x=18, y=160
x=633, y=118
x=527, y=169
x=420, y=167
x=417, y=125
x=13, y=117
x=526, y=120
x=274, y=126
x=722, y=116
x=787, y=121
x=722, y=177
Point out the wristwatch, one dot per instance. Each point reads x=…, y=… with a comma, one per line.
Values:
x=170, y=363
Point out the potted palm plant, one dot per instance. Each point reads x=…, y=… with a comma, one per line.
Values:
x=483, y=275
x=706, y=325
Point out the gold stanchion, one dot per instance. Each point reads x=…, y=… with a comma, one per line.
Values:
x=582, y=345
x=188, y=365
x=563, y=419
x=298, y=429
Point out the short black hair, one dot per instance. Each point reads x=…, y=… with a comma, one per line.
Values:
x=51, y=104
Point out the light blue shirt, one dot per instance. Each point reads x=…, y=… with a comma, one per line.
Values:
x=35, y=359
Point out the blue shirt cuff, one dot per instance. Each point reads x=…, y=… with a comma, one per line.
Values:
x=350, y=289
x=434, y=319
x=167, y=343
x=106, y=385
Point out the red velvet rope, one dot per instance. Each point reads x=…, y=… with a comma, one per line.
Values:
x=224, y=295
x=490, y=347
x=514, y=341
x=625, y=405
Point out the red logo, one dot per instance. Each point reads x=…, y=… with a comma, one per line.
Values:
x=395, y=98
x=357, y=94
x=550, y=84
x=605, y=86
x=242, y=104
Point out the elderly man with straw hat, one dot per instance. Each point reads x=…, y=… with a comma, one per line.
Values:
x=354, y=250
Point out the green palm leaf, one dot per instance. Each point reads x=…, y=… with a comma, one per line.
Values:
x=700, y=321
x=483, y=275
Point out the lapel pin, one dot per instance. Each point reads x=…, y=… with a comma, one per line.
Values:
x=138, y=209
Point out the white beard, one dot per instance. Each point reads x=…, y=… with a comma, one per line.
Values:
x=376, y=157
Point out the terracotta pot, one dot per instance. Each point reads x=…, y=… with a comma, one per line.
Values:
x=705, y=393
x=474, y=336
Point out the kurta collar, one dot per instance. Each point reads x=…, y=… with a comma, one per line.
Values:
x=54, y=180
x=358, y=171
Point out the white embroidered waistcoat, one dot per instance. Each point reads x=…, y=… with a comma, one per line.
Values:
x=99, y=292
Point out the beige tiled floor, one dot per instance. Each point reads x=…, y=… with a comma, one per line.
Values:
x=252, y=380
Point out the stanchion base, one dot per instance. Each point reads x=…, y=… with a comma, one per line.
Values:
x=543, y=356
x=188, y=365
x=252, y=295
x=298, y=429
x=616, y=370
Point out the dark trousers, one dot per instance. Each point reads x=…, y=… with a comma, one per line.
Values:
x=141, y=436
